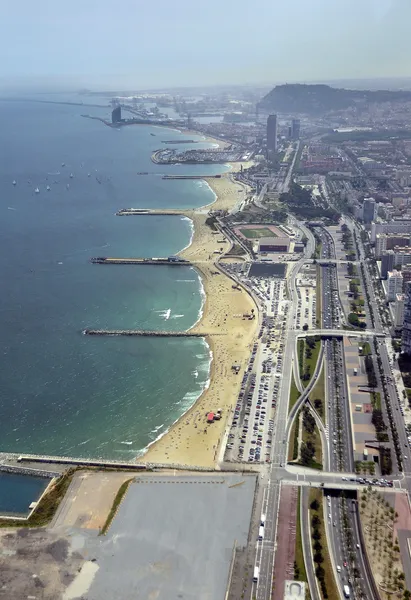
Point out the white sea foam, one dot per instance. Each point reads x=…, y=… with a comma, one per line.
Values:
x=187, y=401
x=185, y=280
x=176, y=316
x=191, y=232
x=195, y=373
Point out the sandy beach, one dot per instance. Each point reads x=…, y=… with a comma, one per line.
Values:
x=191, y=441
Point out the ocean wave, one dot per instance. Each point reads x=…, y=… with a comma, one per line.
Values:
x=176, y=316
x=191, y=233
x=185, y=280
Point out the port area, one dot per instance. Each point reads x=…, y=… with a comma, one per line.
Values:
x=146, y=333
x=127, y=212
x=175, y=261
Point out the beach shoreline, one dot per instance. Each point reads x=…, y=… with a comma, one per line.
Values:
x=190, y=441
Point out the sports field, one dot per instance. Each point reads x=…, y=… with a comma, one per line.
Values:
x=257, y=233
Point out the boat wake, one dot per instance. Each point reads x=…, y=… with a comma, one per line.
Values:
x=164, y=313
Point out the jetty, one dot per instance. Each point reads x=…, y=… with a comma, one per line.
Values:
x=179, y=142
x=143, y=333
x=191, y=177
x=127, y=212
x=172, y=261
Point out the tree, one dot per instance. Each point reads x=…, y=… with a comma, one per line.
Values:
x=315, y=505
x=305, y=327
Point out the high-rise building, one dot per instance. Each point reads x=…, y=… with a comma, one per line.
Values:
x=394, y=284
x=394, y=258
x=399, y=311
x=402, y=226
x=406, y=327
x=406, y=276
x=116, y=115
x=369, y=210
x=295, y=129
x=272, y=133
x=385, y=241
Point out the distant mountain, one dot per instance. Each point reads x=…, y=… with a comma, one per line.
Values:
x=321, y=99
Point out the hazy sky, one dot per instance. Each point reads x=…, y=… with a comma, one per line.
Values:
x=155, y=43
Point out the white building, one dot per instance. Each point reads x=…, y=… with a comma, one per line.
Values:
x=399, y=311
x=394, y=284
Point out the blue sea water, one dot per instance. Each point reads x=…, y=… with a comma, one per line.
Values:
x=61, y=392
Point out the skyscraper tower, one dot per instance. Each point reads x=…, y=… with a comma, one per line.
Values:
x=295, y=129
x=272, y=134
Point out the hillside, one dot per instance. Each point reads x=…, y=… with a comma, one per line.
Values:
x=321, y=99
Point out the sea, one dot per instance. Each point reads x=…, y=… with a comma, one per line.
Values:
x=61, y=392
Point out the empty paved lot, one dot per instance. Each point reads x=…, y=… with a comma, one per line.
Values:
x=173, y=538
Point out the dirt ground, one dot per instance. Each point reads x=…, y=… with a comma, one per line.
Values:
x=36, y=563
x=379, y=519
x=89, y=499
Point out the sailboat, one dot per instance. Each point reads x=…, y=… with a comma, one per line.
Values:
x=14, y=182
x=71, y=175
x=37, y=191
x=48, y=188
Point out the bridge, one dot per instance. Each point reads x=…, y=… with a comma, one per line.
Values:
x=339, y=333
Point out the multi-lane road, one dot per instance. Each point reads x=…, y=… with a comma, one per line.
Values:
x=338, y=446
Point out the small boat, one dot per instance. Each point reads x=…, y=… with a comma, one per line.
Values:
x=14, y=182
x=88, y=174
x=48, y=188
x=71, y=175
x=63, y=164
x=37, y=191
x=68, y=186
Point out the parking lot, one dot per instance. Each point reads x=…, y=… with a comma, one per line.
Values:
x=253, y=421
x=306, y=298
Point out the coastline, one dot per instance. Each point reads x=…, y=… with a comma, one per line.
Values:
x=190, y=441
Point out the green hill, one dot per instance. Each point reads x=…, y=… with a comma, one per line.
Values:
x=321, y=99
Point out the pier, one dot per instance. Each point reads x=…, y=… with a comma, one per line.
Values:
x=179, y=142
x=143, y=333
x=127, y=212
x=191, y=177
x=173, y=261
